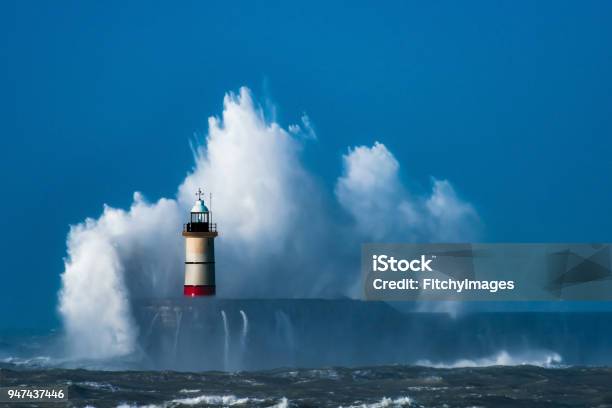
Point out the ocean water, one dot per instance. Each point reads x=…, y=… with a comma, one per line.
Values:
x=383, y=386
x=326, y=353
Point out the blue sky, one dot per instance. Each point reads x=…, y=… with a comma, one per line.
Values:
x=508, y=100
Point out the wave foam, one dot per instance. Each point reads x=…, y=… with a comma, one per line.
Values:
x=223, y=400
x=39, y=361
x=98, y=386
x=385, y=403
x=503, y=358
x=211, y=400
x=283, y=403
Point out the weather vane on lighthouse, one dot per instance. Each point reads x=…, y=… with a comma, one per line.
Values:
x=200, y=233
x=199, y=193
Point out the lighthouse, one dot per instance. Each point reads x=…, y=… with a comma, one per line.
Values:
x=200, y=234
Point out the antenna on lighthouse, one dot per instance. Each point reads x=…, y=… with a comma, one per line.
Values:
x=210, y=206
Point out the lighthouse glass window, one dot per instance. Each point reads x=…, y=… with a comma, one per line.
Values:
x=199, y=217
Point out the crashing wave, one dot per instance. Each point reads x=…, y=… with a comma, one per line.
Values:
x=263, y=194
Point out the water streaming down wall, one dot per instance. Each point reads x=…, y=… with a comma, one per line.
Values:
x=316, y=333
x=245, y=333
x=179, y=316
x=285, y=333
x=226, y=342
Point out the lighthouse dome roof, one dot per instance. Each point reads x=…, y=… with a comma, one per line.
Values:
x=199, y=207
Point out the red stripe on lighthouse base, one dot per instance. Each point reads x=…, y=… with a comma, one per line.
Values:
x=190, y=290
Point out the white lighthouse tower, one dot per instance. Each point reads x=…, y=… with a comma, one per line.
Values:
x=200, y=234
